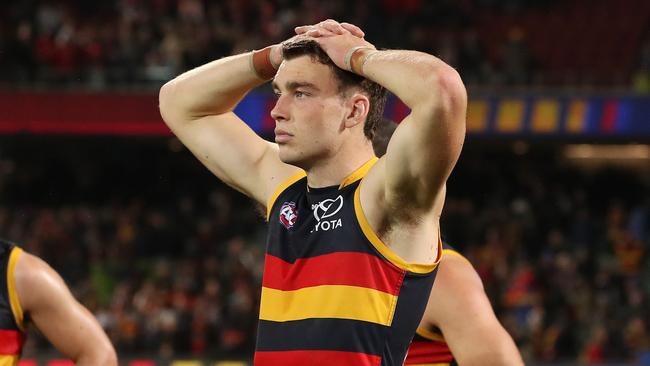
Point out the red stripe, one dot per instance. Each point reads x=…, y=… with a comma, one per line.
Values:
x=60, y=363
x=11, y=342
x=315, y=358
x=77, y=113
x=608, y=121
x=29, y=362
x=134, y=128
x=342, y=268
x=142, y=363
x=428, y=352
x=268, y=123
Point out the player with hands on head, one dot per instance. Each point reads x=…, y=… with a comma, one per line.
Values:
x=350, y=259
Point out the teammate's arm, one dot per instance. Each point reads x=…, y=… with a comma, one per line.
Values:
x=198, y=107
x=69, y=326
x=460, y=308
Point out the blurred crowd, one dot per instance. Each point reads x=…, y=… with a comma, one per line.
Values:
x=143, y=43
x=562, y=253
x=174, y=269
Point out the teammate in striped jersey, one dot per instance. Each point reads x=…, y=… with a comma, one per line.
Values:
x=459, y=326
x=353, y=242
x=30, y=290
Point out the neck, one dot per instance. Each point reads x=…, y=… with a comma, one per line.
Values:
x=332, y=171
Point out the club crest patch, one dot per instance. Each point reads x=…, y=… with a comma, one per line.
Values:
x=288, y=214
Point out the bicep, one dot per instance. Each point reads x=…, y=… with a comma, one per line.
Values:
x=427, y=144
x=465, y=316
x=235, y=154
x=69, y=326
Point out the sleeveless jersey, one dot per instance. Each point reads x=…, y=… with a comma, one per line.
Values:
x=12, y=336
x=333, y=293
x=429, y=347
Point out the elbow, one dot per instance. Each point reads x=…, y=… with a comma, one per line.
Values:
x=166, y=98
x=450, y=96
x=443, y=93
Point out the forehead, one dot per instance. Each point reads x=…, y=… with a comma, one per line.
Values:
x=304, y=69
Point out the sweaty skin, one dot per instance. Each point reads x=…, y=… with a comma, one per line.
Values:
x=50, y=306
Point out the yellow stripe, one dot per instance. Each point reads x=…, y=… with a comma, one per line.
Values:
x=510, y=115
x=426, y=333
x=477, y=113
x=8, y=360
x=359, y=173
x=546, y=115
x=576, y=116
x=328, y=301
x=284, y=185
x=11, y=285
x=455, y=253
x=385, y=251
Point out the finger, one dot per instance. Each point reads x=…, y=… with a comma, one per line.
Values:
x=303, y=29
x=356, y=31
x=333, y=27
x=318, y=32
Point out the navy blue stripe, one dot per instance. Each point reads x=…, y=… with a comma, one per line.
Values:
x=321, y=334
x=7, y=321
x=446, y=245
x=408, y=313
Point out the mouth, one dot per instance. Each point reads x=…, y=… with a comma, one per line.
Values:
x=282, y=136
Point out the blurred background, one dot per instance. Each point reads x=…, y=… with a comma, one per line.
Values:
x=550, y=200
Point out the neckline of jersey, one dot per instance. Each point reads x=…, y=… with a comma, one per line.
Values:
x=353, y=177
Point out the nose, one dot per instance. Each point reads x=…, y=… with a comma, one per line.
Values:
x=280, y=111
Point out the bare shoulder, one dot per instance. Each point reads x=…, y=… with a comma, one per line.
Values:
x=457, y=293
x=457, y=272
x=35, y=279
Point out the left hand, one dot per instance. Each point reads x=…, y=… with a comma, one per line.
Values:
x=329, y=27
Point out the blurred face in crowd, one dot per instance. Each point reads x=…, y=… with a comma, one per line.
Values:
x=313, y=116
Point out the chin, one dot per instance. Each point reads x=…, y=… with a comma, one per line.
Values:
x=291, y=157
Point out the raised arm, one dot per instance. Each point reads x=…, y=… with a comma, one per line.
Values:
x=198, y=107
x=427, y=144
x=69, y=326
x=459, y=306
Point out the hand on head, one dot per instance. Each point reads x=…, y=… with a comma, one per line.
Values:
x=330, y=27
x=336, y=39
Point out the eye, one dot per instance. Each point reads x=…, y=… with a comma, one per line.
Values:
x=300, y=94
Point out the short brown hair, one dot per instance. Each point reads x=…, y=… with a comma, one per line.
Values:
x=384, y=132
x=346, y=79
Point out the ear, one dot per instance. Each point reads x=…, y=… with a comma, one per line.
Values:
x=358, y=111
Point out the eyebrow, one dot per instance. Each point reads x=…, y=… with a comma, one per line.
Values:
x=293, y=85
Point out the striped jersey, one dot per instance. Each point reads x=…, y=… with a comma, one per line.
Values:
x=333, y=293
x=429, y=347
x=12, y=336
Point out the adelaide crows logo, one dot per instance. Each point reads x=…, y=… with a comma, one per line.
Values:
x=288, y=214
